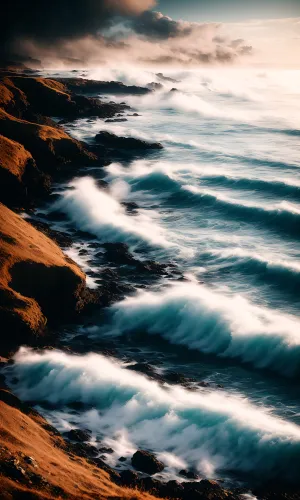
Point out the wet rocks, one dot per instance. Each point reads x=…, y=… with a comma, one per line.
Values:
x=78, y=435
x=81, y=85
x=129, y=478
x=145, y=461
x=189, y=474
x=110, y=140
x=116, y=120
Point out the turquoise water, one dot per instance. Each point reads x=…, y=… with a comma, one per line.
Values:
x=222, y=201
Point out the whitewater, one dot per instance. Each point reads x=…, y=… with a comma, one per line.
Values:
x=221, y=202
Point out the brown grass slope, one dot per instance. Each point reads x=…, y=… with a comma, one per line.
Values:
x=52, y=472
x=50, y=147
x=20, y=179
x=37, y=281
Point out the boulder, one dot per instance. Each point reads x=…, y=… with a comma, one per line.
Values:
x=78, y=435
x=145, y=461
x=110, y=140
x=129, y=478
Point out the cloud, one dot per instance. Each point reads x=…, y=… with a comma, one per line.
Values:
x=89, y=32
x=56, y=21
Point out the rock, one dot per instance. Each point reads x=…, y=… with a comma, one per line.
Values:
x=13, y=469
x=155, y=86
x=189, y=474
x=174, y=90
x=172, y=489
x=129, y=478
x=146, y=462
x=62, y=239
x=161, y=76
x=84, y=450
x=149, y=484
x=110, y=140
x=116, y=120
x=143, y=368
x=119, y=253
x=78, y=435
x=130, y=206
x=81, y=85
x=122, y=459
x=105, y=449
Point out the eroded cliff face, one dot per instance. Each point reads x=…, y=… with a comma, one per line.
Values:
x=38, y=283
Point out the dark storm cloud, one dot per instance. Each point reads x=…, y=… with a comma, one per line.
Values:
x=54, y=21
x=156, y=25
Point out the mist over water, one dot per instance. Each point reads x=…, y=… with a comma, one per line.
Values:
x=222, y=202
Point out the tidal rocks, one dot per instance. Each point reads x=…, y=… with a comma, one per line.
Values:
x=116, y=120
x=110, y=140
x=161, y=76
x=78, y=435
x=129, y=478
x=189, y=474
x=145, y=461
x=81, y=85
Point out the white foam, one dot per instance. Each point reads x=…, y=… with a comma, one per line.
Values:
x=212, y=431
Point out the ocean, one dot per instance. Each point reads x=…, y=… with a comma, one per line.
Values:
x=221, y=203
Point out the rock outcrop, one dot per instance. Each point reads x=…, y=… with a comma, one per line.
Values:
x=145, y=461
x=82, y=85
x=110, y=140
x=50, y=147
x=38, y=283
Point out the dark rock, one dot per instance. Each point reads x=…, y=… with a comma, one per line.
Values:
x=130, y=206
x=62, y=239
x=105, y=449
x=80, y=85
x=119, y=253
x=78, y=435
x=110, y=140
x=84, y=450
x=143, y=368
x=146, y=462
x=189, y=474
x=174, y=90
x=150, y=485
x=161, y=76
x=129, y=478
x=172, y=489
x=155, y=86
x=114, y=120
x=122, y=459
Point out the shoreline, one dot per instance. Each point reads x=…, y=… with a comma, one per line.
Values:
x=118, y=254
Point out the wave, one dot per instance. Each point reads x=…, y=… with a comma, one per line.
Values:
x=98, y=212
x=281, y=272
x=214, y=432
x=283, y=216
x=210, y=322
x=162, y=175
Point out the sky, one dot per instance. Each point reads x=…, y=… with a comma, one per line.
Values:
x=229, y=10
x=187, y=33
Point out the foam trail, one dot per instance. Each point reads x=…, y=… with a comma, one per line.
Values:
x=98, y=212
x=212, y=431
x=199, y=318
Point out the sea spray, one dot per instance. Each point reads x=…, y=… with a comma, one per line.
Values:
x=199, y=318
x=208, y=430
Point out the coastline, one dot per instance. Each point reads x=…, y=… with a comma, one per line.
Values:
x=55, y=146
